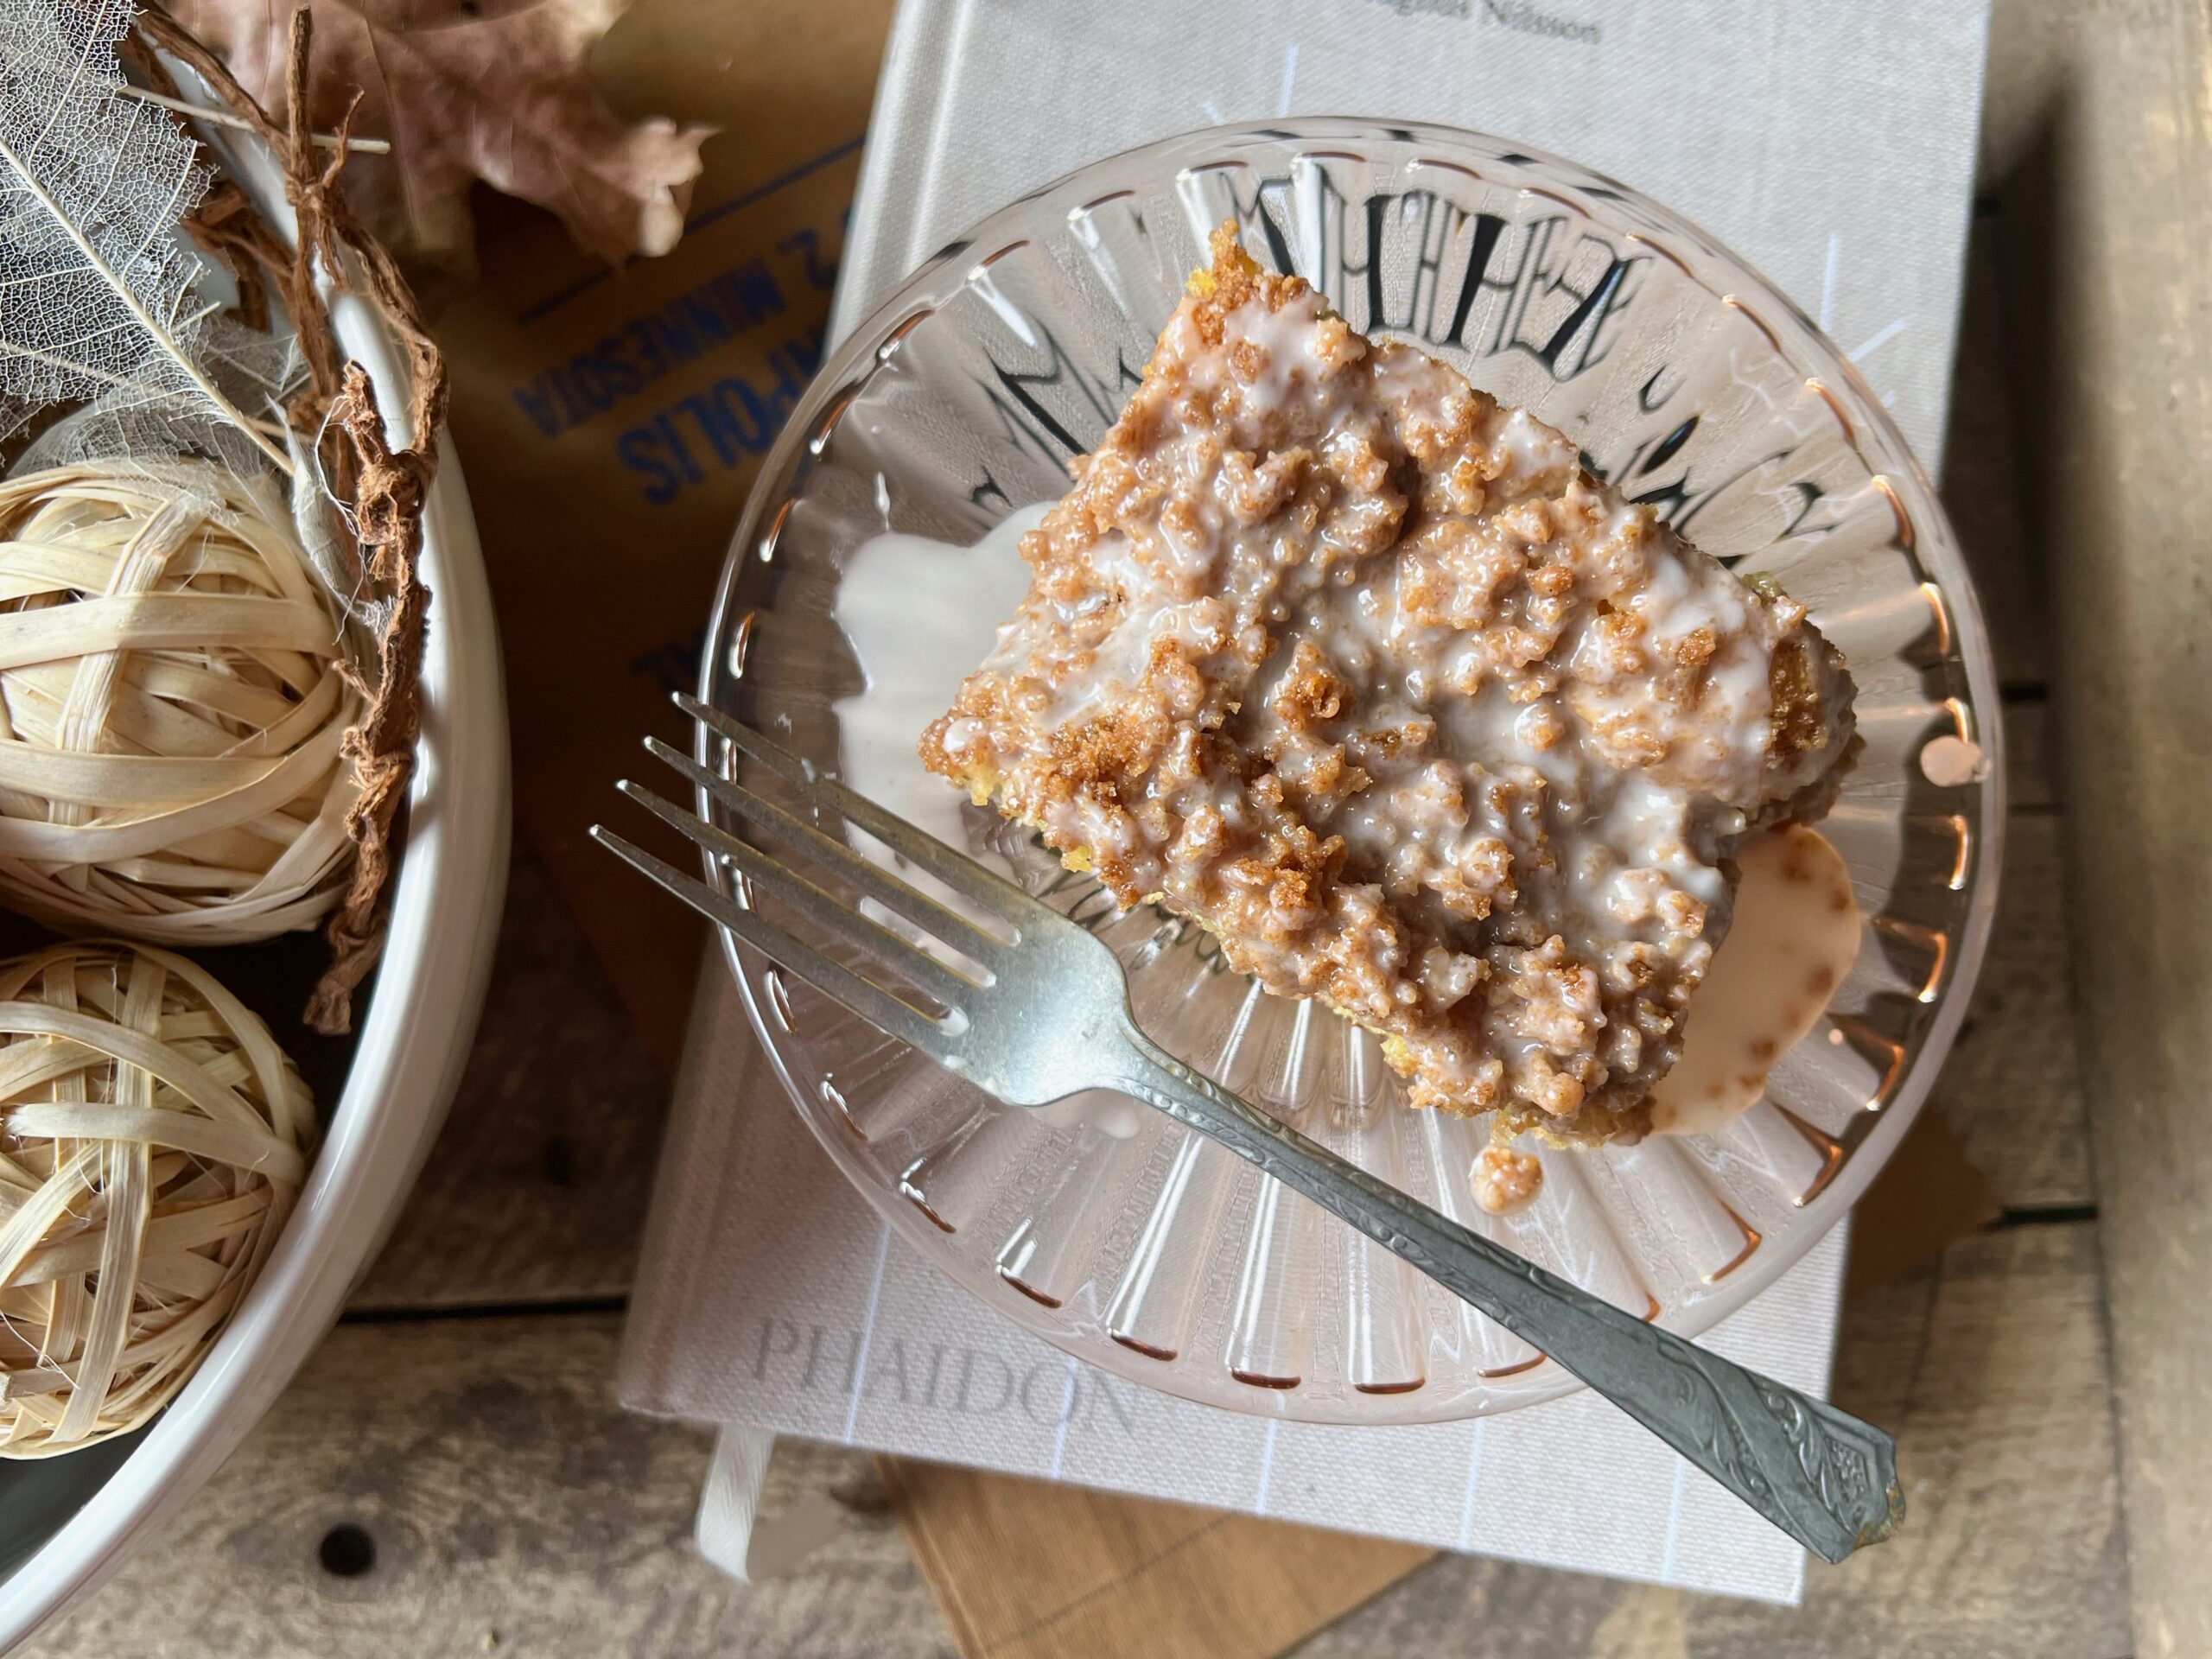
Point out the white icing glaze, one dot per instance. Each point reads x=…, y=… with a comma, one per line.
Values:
x=916, y=613
x=1794, y=936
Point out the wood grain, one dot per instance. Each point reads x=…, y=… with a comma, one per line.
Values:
x=512, y=1508
x=2012, y=1088
x=2031, y=762
x=2109, y=219
x=1024, y=1569
x=537, y=1188
x=1990, y=1366
x=1980, y=483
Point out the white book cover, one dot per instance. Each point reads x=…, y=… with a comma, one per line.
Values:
x=1832, y=144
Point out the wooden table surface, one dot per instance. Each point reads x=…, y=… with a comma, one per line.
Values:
x=450, y=1474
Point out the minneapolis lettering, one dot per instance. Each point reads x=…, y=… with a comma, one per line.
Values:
x=687, y=440
x=728, y=423
x=727, y=305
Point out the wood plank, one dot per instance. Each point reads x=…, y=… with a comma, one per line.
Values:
x=2026, y=67
x=2030, y=771
x=537, y=1188
x=1025, y=1569
x=1980, y=484
x=2012, y=1090
x=1990, y=1366
x=513, y=1508
x=2109, y=230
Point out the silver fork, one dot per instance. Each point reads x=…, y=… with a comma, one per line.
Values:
x=1049, y=1016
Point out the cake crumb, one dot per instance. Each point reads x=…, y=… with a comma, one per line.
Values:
x=1506, y=1180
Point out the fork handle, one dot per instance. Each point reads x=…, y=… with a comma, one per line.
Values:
x=1820, y=1474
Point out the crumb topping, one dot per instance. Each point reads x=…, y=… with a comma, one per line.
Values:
x=1364, y=672
x=1505, y=1180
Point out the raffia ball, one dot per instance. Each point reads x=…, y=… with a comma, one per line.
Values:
x=171, y=708
x=153, y=1138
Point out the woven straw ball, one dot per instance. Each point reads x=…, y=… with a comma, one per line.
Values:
x=153, y=1138
x=171, y=708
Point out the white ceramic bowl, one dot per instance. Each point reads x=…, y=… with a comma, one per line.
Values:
x=414, y=1037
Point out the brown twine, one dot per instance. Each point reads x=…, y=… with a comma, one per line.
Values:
x=388, y=518
x=226, y=225
x=384, y=488
x=224, y=222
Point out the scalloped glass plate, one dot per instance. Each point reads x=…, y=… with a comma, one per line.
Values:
x=1688, y=379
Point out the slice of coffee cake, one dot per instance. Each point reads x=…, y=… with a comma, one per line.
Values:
x=1330, y=653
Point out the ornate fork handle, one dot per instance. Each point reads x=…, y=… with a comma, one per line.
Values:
x=1828, y=1479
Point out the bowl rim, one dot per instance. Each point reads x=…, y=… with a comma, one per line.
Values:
x=414, y=1038
x=849, y=361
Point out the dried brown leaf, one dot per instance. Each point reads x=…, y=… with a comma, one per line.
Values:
x=467, y=90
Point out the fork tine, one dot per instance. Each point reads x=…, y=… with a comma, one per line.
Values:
x=822, y=909
x=833, y=979
x=917, y=906
x=956, y=869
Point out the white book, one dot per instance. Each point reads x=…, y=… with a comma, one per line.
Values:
x=1832, y=144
